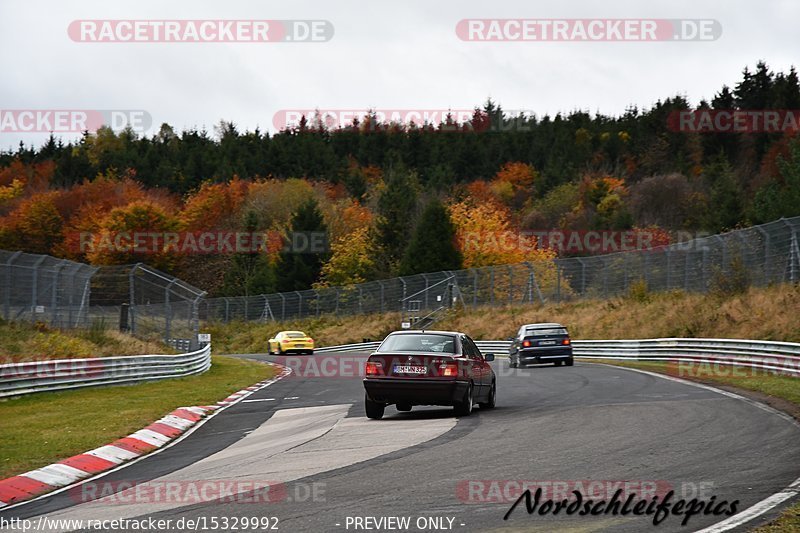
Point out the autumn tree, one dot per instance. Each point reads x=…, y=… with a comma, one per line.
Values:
x=352, y=260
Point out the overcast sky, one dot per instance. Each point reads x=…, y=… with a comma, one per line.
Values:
x=383, y=55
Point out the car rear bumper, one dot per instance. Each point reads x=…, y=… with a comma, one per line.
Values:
x=548, y=355
x=415, y=391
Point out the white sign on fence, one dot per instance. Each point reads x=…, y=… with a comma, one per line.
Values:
x=204, y=337
x=406, y=325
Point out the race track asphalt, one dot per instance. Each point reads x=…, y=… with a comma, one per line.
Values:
x=589, y=426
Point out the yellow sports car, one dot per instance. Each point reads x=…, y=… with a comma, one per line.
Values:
x=290, y=341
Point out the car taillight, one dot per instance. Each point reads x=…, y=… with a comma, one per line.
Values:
x=310, y=340
x=449, y=370
x=373, y=368
x=565, y=342
x=526, y=344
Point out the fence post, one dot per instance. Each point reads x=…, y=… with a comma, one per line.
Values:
x=7, y=299
x=510, y=284
x=299, y=304
x=316, y=301
x=491, y=279
x=227, y=309
x=558, y=282
x=54, y=295
x=35, y=286
x=168, y=311
x=132, y=298
x=360, y=300
x=283, y=306
x=794, y=257
x=337, y=301
x=381, y=285
x=583, y=276
x=474, y=287
x=425, y=277
x=669, y=265
x=763, y=232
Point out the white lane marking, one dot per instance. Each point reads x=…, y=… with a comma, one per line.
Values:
x=767, y=503
x=292, y=398
x=259, y=400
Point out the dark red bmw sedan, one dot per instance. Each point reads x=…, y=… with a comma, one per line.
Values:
x=428, y=368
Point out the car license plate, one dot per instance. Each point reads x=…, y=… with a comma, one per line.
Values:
x=409, y=369
x=299, y=345
x=546, y=343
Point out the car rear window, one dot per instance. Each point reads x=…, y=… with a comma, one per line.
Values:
x=295, y=334
x=419, y=343
x=545, y=331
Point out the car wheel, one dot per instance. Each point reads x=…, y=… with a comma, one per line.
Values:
x=311, y=352
x=489, y=403
x=269, y=349
x=280, y=350
x=558, y=363
x=464, y=407
x=570, y=361
x=374, y=409
x=403, y=407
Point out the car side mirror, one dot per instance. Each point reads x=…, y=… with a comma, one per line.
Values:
x=489, y=356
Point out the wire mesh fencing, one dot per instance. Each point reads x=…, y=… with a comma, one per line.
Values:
x=152, y=304
x=69, y=295
x=759, y=255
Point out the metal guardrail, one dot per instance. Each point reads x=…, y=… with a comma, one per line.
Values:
x=778, y=357
x=783, y=357
x=39, y=376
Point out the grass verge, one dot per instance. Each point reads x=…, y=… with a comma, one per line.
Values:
x=781, y=392
x=759, y=313
x=40, y=429
x=23, y=341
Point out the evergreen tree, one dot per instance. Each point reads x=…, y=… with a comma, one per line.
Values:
x=249, y=273
x=433, y=247
x=300, y=262
x=397, y=206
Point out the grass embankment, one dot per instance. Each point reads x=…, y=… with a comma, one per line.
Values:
x=760, y=313
x=23, y=341
x=40, y=429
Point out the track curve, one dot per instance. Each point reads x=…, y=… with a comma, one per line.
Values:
x=563, y=426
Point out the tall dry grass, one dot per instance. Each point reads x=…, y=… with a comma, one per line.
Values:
x=764, y=313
